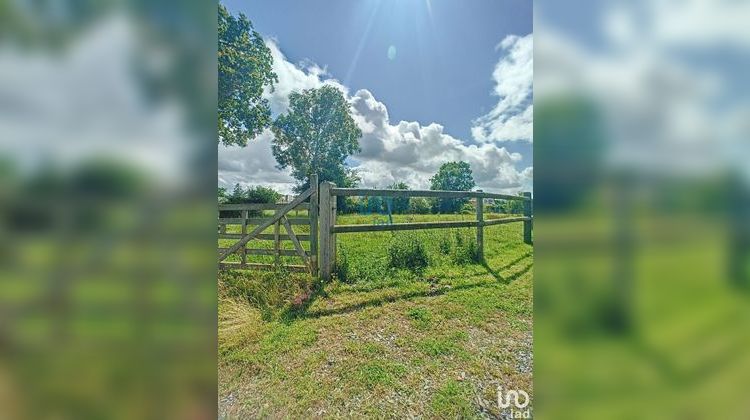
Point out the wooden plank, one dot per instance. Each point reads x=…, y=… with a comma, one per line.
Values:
x=334, y=204
x=313, y=238
x=367, y=192
x=257, y=266
x=493, y=222
x=325, y=230
x=296, y=243
x=277, y=242
x=243, y=251
x=402, y=226
x=260, y=220
x=260, y=228
x=266, y=237
x=480, y=227
x=527, y=223
x=255, y=251
x=504, y=197
x=259, y=206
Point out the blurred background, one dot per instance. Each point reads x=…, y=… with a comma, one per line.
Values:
x=107, y=202
x=642, y=209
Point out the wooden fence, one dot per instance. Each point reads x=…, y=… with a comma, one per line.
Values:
x=329, y=228
x=320, y=201
x=306, y=201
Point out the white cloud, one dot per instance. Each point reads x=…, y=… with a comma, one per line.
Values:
x=412, y=153
x=660, y=107
x=511, y=119
x=294, y=77
x=402, y=152
x=86, y=102
x=253, y=165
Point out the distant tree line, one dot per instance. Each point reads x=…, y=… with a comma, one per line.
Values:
x=240, y=195
x=452, y=176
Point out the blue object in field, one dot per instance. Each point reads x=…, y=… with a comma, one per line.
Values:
x=365, y=209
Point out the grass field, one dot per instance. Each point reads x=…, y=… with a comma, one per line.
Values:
x=384, y=343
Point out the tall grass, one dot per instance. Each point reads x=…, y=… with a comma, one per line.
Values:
x=271, y=292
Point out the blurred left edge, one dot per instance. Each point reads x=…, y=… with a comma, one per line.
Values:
x=107, y=199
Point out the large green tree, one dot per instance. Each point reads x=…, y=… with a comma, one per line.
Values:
x=245, y=70
x=316, y=136
x=452, y=176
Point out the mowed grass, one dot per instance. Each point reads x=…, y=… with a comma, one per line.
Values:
x=384, y=343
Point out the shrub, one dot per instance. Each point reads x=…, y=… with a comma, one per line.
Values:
x=468, y=208
x=445, y=244
x=400, y=204
x=342, y=266
x=257, y=194
x=407, y=252
x=419, y=205
x=375, y=204
x=465, y=250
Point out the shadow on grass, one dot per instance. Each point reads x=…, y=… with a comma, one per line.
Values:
x=507, y=279
x=433, y=291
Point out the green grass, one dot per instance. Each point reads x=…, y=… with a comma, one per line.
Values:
x=380, y=341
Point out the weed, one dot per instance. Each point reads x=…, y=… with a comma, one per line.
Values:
x=440, y=346
x=378, y=372
x=407, y=252
x=452, y=401
x=421, y=317
x=445, y=244
x=466, y=250
x=341, y=270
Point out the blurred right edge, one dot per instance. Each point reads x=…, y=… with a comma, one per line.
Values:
x=642, y=210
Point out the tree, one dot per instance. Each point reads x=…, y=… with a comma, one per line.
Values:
x=509, y=206
x=419, y=205
x=261, y=194
x=245, y=70
x=258, y=194
x=316, y=136
x=400, y=204
x=452, y=176
x=375, y=204
x=238, y=194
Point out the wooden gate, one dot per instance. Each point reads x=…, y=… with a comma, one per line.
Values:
x=251, y=224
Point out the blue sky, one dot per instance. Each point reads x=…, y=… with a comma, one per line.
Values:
x=428, y=61
x=444, y=60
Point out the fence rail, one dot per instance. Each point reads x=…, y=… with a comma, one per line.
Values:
x=259, y=266
x=266, y=237
x=257, y=220
x=260, y=206
x=320, y=201
x=366, y=192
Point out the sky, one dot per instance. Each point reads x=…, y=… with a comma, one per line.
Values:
x=670, y=80
x=429, y=81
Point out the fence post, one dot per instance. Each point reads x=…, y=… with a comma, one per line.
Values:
x=243, y=250
x=527, y=224
x=325, y=231
x=313, y=213
x=277, y=243
x=480, y=227
x=334, y=214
